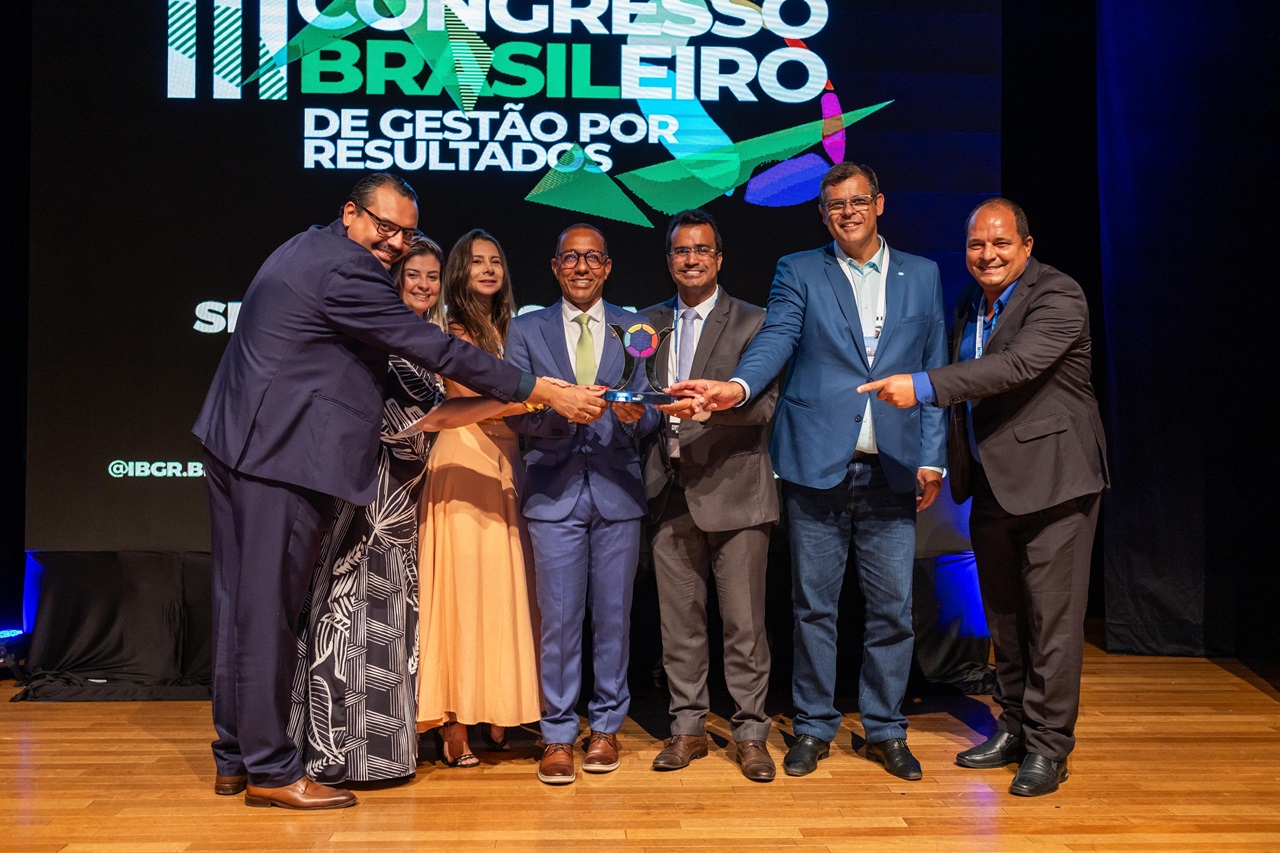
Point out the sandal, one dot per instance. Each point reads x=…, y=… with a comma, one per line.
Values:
x=497, y=744
x=466, y=759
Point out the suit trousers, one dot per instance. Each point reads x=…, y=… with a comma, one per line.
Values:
x=266, y=538
x=881, y=524
x=584, y=558
x=1034, y=574
x=683, y=558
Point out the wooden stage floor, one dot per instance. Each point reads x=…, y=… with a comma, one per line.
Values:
x=1173, y=754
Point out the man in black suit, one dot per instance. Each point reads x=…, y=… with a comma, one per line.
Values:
x=712, y=496
x=290, y=421
x=1027, y=444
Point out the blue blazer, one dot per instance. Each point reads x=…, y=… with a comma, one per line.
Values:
x=813, y=329
x=298, y=394
x=562, y=458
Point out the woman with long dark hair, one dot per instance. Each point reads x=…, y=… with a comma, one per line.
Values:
x=479, y=661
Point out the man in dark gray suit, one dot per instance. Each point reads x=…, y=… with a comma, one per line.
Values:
x=1026, y=443
x=713, y=501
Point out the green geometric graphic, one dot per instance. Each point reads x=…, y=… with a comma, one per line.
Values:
x=695, y=180
x=182, y=27
x=676, y=185
x=587, y=191
x=271, y=81
x=227, y=29
x=458, y=58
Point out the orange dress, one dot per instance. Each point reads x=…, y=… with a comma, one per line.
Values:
x=478, y=623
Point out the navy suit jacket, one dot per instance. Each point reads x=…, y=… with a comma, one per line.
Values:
x=562, y=458
x=812, y=327
x=298, y=395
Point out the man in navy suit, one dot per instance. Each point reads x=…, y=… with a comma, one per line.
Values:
x=290, y=421
x=852, y=467
x=583, y=499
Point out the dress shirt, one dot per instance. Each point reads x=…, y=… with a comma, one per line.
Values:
x=867, y=281
x=968, y=352
x=703, y=310
x=572, y=331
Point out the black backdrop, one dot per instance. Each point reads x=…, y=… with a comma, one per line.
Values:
x=1185, y=386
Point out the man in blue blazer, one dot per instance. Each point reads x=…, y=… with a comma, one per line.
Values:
x=852, y=467
x=583, y=499
x=290, y=421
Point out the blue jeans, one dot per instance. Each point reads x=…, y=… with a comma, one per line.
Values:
x=881, y=524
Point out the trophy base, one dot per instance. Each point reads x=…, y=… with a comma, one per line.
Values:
x=648, y=398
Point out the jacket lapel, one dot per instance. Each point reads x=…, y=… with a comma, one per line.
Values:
x=1017, y=304
x=553, y=336
x=711, y=330
x=895, y=296
x=610, y=369
x=843, y=293
x=664, y=318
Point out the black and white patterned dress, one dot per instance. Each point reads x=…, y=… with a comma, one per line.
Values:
x=354, y=704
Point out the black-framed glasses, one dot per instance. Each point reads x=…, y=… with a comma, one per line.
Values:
x=697, y=251
x=855, y=204
x=390, y=229
x=594, y=258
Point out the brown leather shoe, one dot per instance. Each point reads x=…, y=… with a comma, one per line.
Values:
x=679, y=751
x=229, y=786
x=303, y=794
x=602, y=753
x=556, y=766
x=755, y=761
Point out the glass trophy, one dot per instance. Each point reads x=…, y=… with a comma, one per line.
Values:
x=640, y=343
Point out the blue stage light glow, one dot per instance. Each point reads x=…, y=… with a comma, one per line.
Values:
x=10, y=633
x=955, y=583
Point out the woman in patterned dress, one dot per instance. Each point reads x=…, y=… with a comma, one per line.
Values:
x=479, y=653
x=355, y=691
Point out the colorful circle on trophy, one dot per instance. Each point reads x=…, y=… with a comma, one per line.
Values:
x=641, y=340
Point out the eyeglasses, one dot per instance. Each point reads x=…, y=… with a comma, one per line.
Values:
x=856, y=204
x=594, y=258
x=390, y=229
x=699, y=251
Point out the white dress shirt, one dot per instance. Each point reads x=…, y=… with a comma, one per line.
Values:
x=703, y=310
x=572, y=331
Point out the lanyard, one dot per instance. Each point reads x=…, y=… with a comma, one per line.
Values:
x=982, y=319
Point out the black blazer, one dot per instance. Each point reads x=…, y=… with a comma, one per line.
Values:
x=1036, y=417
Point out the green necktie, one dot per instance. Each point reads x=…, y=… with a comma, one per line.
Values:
x=585, y=361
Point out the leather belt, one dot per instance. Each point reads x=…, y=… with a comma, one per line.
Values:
x=863, y=456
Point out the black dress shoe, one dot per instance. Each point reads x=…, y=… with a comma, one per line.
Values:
x=996, y=751
x=1038, y=776
x=896, y=758
x=802, y=759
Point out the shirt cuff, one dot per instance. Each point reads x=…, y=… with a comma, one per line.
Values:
x=525, y=388
x=746, y=390
x=924, y=388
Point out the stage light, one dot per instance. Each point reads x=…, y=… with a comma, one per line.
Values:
x=13, y=647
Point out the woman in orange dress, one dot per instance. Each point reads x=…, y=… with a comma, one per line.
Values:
x=479, y=656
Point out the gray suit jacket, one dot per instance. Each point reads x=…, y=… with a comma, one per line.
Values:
x=724, y=461
x=1035, y=415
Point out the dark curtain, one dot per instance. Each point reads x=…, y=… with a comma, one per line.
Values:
x=1187, y=183
x=130, y=625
